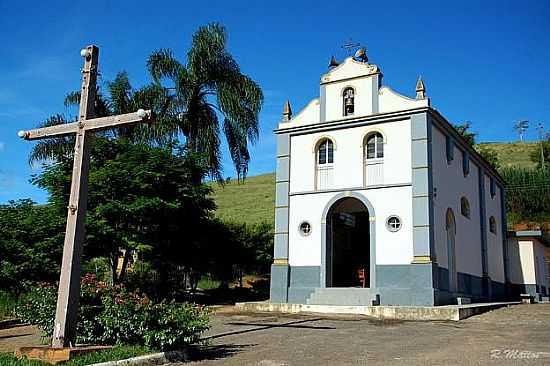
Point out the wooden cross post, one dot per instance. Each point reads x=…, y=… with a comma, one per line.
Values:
x=64, y=334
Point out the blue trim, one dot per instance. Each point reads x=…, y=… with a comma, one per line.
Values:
x=449, y=147
x=465, y=163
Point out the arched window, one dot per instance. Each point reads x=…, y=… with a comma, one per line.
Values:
x=465, y=207
x=325, y=152
x=373, y=154
x=374, y=146
x=492, y=225
x=348, y=99
x=450, y=227
x=325, y=167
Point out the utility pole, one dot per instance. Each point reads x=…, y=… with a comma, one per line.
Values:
x=540, y=128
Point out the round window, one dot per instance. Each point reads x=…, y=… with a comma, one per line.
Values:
x=393, y=223
x=305, y=228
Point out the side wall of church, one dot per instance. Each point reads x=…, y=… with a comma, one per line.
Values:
x=495, y=249
x=479, y=253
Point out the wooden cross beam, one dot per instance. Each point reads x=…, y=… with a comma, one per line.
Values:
x=95, y=124
x=64, y=333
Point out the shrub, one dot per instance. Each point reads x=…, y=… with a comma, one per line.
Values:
x=528, y=194
x=7, y=305
x=113, y=315
x=38, y=307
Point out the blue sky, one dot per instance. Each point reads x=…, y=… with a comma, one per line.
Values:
x=482, y=61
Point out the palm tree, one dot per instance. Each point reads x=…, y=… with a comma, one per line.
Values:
x=209, y=87
x=122, y=99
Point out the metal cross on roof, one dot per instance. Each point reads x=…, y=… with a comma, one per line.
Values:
x=350, y=46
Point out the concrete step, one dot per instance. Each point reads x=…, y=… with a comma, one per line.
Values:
x=342, y=296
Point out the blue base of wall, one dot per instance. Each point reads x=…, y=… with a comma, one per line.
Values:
x=531, y=289
x=408, y=284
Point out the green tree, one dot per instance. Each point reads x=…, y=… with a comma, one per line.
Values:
x=528, y=194
x=31, y=240
x=487, y=153
x=464, y=131
x=142, y=199
x=210, y=87
x=490, y=155
x=536, y=153
x=122, y=98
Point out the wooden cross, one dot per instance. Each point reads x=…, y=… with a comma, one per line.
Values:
x=64, y=333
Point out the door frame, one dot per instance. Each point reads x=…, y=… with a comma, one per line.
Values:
x=326, y=236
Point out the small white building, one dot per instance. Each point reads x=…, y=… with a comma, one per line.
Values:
x=379, y=199
x=527, y=253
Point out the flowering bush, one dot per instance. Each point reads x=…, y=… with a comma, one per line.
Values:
x=113, y=315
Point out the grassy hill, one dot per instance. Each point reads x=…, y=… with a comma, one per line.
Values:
x=253, y=201
x=513, y=153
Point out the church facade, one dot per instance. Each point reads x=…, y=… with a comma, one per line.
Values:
x=380, y=201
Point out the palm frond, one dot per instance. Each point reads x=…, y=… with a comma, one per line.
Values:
x=120, y=92
x=72, y=99
x=162, y=64
x=52, y=149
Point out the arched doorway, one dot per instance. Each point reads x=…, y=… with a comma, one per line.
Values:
x=451, y=251
x=348, y=249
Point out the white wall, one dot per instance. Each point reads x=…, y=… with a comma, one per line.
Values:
x=391, y=101
x=495, y=253
x=451, y=185
x=391, y=248
x=527, y=263
x=365, y=88
x=521, y=258
x=348, y=156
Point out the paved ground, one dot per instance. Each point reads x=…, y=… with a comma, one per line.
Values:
x=18, y=336
x=519, y=335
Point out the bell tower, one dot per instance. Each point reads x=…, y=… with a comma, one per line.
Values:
x=350, y=88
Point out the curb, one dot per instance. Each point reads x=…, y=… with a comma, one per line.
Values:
x=160, y=358
x=9, y=323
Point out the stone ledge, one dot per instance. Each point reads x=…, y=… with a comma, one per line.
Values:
x=160, y=358
x=414, y=313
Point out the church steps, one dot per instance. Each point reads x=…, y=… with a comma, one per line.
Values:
x=342, y=296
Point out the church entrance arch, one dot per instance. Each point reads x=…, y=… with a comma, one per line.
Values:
x=349, y=258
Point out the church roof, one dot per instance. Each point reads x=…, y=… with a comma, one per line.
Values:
x=350, y=68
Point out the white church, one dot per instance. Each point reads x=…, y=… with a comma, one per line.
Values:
x=380, y=201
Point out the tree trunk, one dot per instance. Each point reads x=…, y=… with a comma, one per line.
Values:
x=114, y=263
x=127, y=254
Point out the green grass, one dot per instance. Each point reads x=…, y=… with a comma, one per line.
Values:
x=254, y=200
x=206, y=283
x=513, y=154
x=116, y=353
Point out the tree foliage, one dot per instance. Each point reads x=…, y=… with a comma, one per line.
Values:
x=208, y=87
x=487, y=153
x=141, y=199
x=490, y=155
x=528, y=194
x=31, y=241
x=464, y=131
x=536, y=155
